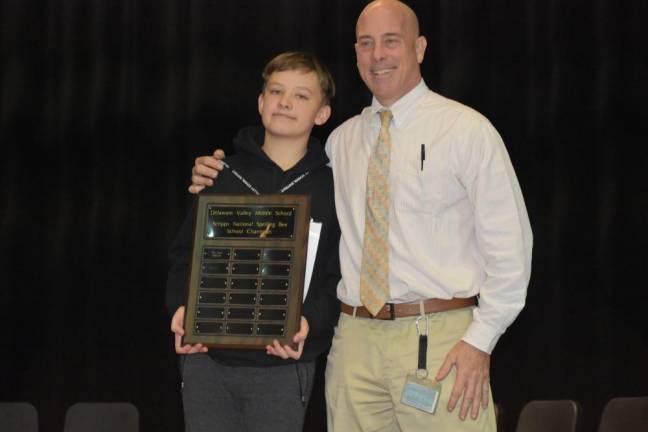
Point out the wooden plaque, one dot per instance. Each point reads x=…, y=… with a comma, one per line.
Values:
x=247, y=270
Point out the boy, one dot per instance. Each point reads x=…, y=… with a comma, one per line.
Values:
x=233, y=390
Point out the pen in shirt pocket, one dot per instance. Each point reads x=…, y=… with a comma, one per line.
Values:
x=422, y=155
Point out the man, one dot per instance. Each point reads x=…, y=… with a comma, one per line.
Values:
x=432, y=216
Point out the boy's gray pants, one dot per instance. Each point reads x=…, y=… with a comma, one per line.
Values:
x=222, y=398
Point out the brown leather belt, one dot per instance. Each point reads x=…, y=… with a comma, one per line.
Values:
x=399, y=310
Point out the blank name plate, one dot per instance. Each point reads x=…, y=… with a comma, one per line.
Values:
x=247, y=270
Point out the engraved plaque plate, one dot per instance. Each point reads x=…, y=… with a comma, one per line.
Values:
x=245, y=284
x=213, y=282
x=207, y=297
x=247, y=270
x=272, y=314
x=210, y=312
x=274, y=284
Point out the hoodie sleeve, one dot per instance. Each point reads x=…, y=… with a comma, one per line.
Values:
x=322, y=307
x=179, y=254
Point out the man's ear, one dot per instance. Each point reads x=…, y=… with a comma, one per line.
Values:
x=323, y=115
x=260, y=102
x=420, y=45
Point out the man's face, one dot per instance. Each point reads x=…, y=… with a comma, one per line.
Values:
x=291, y=104
x=388, y=53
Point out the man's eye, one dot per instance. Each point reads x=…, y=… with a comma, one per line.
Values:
x=302, y=97
x=365, y=44
x=274, y=91
x=391, y=42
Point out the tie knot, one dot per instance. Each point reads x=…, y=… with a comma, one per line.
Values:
x=385, y=118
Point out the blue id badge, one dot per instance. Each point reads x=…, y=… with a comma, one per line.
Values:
x=421, y=393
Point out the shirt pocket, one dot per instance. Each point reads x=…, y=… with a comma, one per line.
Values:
x=431, y=190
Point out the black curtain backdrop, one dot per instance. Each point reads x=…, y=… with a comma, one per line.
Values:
x=105, y=104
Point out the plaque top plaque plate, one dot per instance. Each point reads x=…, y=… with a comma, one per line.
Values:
x=250, y=221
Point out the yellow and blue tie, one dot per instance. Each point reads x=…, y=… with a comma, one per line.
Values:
x=374, y=273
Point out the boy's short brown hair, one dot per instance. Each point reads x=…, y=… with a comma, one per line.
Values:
x=302, y=61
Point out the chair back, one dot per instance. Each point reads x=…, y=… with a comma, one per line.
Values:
x=625, y=414
x=102, y=417
x=18, y=417
x=550, y=416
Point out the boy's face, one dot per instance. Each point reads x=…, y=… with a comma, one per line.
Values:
x=291, y=104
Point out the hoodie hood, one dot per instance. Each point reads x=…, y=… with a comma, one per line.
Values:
x=250, y=139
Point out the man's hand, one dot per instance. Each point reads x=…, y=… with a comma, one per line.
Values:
x=205, y=170
x=473, y=375
x=286, y=352
x=178, y=329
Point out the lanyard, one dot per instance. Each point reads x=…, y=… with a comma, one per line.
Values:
x=249, y=185
x=421, y=370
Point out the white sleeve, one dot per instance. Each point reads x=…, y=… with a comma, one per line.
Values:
x=503, y=234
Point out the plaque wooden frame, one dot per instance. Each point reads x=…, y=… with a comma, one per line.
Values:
x=228, y=305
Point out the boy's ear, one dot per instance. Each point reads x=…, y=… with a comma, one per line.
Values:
x=260, y=102
x=323, y=115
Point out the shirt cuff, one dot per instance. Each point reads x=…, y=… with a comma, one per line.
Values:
x=482, y=336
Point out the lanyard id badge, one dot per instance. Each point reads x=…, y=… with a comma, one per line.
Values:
x=420, y=392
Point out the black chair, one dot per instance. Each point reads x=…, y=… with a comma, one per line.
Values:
x=18, y=417
x=550, y=416
x=102, y=417
x=625, y=414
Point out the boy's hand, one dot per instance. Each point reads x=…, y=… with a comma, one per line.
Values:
x=178, y=329
x=205, y=170
x=286, y=352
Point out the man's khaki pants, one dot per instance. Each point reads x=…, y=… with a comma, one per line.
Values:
x=367, y=367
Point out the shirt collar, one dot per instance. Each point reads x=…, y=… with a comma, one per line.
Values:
x=402, y=106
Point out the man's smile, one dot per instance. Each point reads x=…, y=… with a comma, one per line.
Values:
x=379, y=72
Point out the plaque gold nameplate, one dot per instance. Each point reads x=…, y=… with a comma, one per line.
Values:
x=247, y=270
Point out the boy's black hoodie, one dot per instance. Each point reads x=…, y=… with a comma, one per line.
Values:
x=321, y=307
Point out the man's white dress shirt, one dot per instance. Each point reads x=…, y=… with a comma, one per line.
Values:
x=458, y=227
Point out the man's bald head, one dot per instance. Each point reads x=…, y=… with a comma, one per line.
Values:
x=389, y=49
x=409, y=18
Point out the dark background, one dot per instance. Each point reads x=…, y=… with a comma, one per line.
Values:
x=105, y=104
